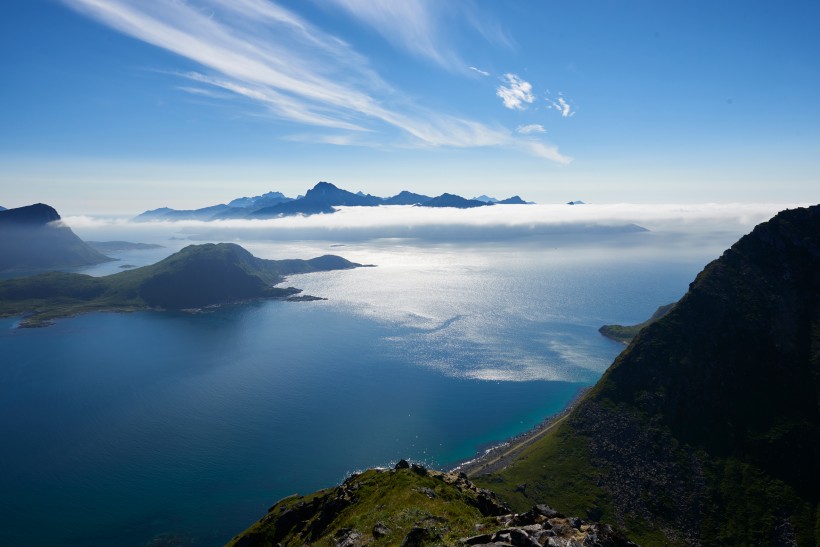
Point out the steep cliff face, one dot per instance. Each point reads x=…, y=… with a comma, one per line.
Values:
x=706, y=428
x=33, y=238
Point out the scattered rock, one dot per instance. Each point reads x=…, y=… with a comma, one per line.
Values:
x=380, y=530
x=419, y=469
x=348, y=537
x=402, y=465
x=427, y=492
x=557, y=531
x=418, y=536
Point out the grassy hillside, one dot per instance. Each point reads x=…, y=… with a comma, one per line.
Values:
x=412, y=506
x=195, y=277
x=706, y=429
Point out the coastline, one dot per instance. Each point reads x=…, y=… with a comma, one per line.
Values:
x=499, y=456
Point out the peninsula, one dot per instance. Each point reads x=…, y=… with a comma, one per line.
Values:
x=196, y=277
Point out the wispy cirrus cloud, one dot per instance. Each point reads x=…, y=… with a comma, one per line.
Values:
x=273, y=58
x=531, y=128
x=424, y=28
x=517, y=93
x=482, y=72
x=561, y=105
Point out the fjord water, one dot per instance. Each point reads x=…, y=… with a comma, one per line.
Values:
x=123, y=429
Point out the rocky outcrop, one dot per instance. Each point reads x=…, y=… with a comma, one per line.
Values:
x=410, y=494
x=543, y=525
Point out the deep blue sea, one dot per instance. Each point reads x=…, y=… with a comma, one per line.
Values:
x=121, y=429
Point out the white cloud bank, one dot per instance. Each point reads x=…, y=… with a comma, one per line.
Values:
x=483, y=223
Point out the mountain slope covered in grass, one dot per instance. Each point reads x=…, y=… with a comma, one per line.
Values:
x=705, y=430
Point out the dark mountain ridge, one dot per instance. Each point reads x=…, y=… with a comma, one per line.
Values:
x=34, y=238
x=705, y=430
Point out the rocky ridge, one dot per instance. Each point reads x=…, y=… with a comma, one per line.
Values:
x=360, y=512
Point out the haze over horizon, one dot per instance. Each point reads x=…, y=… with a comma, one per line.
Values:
x=122, y=106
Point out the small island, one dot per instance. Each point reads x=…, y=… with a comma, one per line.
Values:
x=625, y=334
x=198, y=276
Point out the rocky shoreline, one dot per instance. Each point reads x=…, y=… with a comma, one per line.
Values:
x=499, y=456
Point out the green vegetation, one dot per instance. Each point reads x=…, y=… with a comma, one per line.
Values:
x=195, y=277
x=571, y=483
x=705, y=430
x=380, y=507
x=625, y=334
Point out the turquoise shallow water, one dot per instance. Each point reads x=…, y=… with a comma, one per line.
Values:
x=120, y=428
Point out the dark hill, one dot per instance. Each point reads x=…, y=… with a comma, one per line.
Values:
x=33, y=238
x=195, y=277
x=705, y=430
x=452, y=200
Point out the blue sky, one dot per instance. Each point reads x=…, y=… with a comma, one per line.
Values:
x=124, y=105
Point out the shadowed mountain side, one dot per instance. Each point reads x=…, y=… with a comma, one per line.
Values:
x=195, y=277
x=705, y=430
x=33, y=238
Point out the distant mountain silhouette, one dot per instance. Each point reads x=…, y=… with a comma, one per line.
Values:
x=451, y=200
x=321, y=199
x=515, y=200
x=33, y=238
x=2, y=208
x=257, y=202
x=164, y=213
x=406, y=198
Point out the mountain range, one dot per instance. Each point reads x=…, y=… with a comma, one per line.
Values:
x=323, y=198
